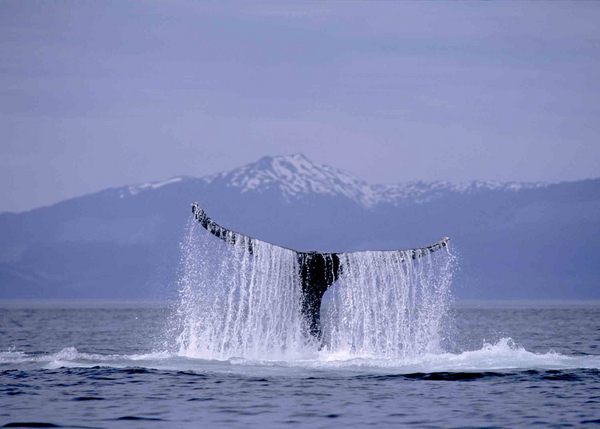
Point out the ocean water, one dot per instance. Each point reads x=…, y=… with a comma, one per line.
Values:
x=118, y=365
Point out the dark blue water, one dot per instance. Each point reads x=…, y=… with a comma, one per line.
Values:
x=107, y=365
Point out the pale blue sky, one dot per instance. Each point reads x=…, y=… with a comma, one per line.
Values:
x=99, y=94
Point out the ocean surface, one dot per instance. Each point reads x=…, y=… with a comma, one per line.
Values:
x=98, y=365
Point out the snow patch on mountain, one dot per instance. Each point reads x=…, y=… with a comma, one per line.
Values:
x=136, y=189
x=422, y=192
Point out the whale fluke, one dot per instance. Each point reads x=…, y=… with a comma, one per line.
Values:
x=317, y=270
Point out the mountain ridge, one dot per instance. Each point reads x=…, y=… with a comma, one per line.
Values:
x=334, y=180
x=295, y=174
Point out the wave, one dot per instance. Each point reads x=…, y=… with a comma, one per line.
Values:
x=71, y=357
x=503, y=356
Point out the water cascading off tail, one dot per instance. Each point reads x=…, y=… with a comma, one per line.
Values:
x=234, y=302
x=387, y=305
x=245, y=300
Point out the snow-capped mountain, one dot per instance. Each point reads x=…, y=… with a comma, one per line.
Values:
x=295, y=176
x=515, y=240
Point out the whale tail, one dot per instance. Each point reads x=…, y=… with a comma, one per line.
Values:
x=317, y=270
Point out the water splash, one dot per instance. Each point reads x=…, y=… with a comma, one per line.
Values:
x=237, y=302
x=388, y=305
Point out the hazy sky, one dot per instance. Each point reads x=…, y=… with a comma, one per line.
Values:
x=99, y=94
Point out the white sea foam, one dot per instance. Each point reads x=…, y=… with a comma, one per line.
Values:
x=503, y=356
